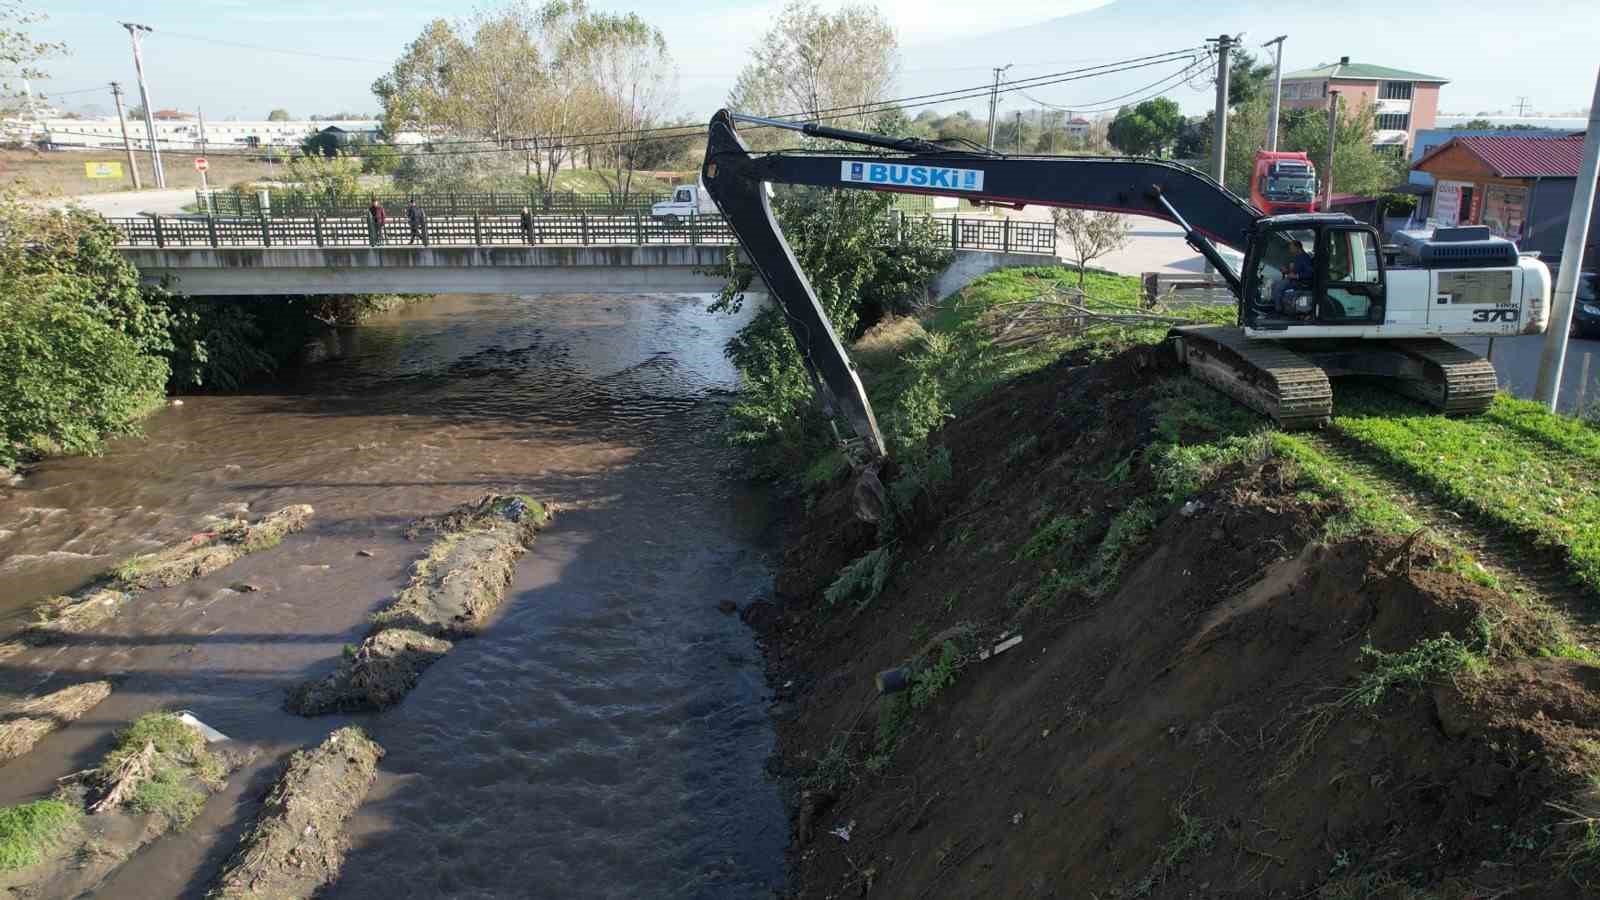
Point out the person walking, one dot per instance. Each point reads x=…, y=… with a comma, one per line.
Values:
x=526, y=219
x=377, y=217
x=417, y=219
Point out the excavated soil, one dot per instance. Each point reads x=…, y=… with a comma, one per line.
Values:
x=297, y=844
x=377, y=675
x=1182, y=729
x=26, y=721
x=452, y=593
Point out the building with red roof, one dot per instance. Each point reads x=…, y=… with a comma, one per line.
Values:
x=1519, y=185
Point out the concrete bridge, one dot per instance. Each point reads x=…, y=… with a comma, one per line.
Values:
x=489, y=254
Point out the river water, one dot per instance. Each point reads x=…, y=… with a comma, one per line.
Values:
x=606, y=737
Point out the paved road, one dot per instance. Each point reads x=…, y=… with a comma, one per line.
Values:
x=124, y=204
x=1517, y=362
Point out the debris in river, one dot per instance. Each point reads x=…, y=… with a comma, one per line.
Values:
x=377, y=675
x=25, y=722
x=451, y=595
x=462, y=580
x=297, y=844
x=208, y=551
x=155, y=780
x=201, y=554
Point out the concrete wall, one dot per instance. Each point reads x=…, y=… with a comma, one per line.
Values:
x=669, y=268
x=1424, y=107
x=969, y=264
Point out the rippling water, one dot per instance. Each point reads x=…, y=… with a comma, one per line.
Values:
x=605, y=738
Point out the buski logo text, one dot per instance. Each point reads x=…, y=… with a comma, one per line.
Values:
x=931, y=177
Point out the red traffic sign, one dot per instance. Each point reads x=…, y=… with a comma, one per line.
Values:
x=200, y=164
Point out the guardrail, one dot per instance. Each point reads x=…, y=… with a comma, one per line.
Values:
x=479, y=230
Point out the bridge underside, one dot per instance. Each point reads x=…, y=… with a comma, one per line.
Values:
x=267, y=271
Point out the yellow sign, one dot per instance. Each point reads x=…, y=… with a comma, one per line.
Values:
x=102, y=170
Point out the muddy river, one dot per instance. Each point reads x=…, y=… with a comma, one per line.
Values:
x=604, y=738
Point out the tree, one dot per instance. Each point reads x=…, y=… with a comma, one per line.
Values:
x=1247, y=78
x=278, y=115
x=20, y=54
x=1148, y=129
x=812, y=62
x=631, y=74
x=1476, y=125
x=1358, y=166
x=1091, y=233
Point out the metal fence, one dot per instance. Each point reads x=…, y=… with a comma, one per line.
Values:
x=479, y=230
x=293, y=203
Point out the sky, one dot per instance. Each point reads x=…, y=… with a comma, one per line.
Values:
x=196, y=58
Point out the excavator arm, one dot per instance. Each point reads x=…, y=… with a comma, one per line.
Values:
x=736, y=179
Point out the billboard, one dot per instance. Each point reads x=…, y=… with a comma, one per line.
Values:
x=102, y=170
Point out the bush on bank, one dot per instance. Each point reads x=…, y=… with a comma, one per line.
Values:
x=859, y=278
x=86, y=351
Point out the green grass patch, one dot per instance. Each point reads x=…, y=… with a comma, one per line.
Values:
x=175, y=742
x=168, y=791
x=29, y=829
x=1191, y=834
x=1470, y=464
x=1367, y=506
x=1429, y=661
x=1058, y=534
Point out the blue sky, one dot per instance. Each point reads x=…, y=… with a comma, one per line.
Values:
x=1544, y=50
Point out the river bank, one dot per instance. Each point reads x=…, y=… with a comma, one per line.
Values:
x=1116, y=637
x=608, y=730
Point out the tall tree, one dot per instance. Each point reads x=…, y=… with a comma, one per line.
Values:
x=20, y=54
x=417, y=93
x=812, y=62
x=1149, y=129
x=278, y=115
x=1358, y=166
x=631, y=74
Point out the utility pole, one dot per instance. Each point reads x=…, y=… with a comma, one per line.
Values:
x=1019, y=131
x=1219, y=142
x=133, y=165
x=1522, y=106
x=1277, y=90
x=205, y=183
x=144, y=97
x=1555, y=335
x=994, y=100
x=1333, y=137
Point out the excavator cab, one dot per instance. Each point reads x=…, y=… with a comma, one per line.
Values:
x=1312, y=270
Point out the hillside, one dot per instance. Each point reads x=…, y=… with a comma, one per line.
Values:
x=1252, y=664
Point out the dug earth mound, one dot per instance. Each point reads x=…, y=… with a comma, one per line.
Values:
x=1225, y=684
x=452, y=592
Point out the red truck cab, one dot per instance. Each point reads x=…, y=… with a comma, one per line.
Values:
x=1283, y=183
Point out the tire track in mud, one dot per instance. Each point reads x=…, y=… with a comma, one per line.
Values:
x=1536, y=576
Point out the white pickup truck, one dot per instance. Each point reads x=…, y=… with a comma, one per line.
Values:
x=687, y=200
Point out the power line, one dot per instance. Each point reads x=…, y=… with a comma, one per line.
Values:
x=1113, y=102
x=264, y=49
x=618, y=138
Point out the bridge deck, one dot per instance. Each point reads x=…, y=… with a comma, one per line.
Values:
x=483, y=230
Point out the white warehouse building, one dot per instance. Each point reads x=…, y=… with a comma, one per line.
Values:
x=184, y=134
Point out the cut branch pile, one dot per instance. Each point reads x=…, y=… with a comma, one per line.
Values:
x=1066, y=311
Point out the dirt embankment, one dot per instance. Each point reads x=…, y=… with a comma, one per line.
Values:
x=451, y=595
x=297, y=844
x=1209, y=698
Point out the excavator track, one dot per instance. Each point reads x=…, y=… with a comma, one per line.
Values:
x=1263, y=375
x=1455, y=381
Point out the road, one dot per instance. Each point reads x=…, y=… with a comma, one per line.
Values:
x=1516, y=360
x=124, y=204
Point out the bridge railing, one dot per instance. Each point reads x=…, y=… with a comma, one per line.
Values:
x=306, y=203
x=478, y=230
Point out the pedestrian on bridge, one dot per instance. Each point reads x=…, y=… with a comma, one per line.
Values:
x=418, y=221
x=526, y=220
x=377, y=216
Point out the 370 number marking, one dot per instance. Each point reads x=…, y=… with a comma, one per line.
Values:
x=1494, y=315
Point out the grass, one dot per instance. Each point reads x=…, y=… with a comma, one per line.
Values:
x=62, y=173
x=174, y=740
x=28, y=829
x=1476, y=466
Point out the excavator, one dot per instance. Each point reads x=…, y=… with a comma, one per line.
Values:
x=1315, y=296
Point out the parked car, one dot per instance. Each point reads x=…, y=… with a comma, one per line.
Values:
x=1586, y=308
